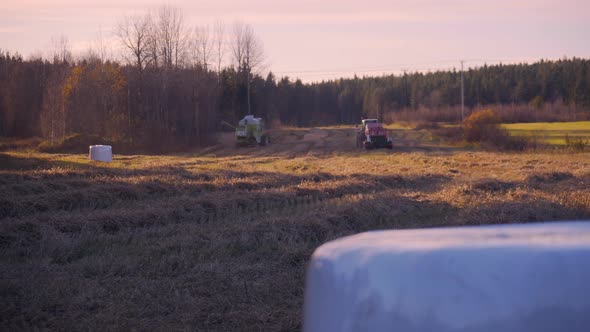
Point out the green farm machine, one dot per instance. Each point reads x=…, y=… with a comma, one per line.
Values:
x=251, y=131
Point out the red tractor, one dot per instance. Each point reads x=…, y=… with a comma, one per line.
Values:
x=373, y=135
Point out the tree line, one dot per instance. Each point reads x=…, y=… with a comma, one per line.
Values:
x=530, y=90
x=176, y=84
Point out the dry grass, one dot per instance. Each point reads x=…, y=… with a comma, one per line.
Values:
x=21, y=144
x=221, y=242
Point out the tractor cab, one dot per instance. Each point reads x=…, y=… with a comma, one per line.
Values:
x=373, y=135
x=365, y=121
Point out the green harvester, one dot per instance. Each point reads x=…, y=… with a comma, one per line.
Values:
x=251, y=131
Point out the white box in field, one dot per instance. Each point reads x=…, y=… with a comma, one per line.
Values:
x=101, y=153
x=530, y=277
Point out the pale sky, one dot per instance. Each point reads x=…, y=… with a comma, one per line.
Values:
x=316, y=40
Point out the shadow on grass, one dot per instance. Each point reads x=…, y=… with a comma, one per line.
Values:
x=8, y=162
x=233, y=238
x=12, y=163
x=253, y=262
x=89, y=188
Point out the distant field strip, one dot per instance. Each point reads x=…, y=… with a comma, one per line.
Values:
x=551, y=132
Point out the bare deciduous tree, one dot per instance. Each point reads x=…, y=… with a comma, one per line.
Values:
x=153, y=48
x=134, y=34
x=171, y=36
x=60, y=49
x=237, y=45
x=201, y=48
x=248, y=53
x=219, y=42
x=100, y=47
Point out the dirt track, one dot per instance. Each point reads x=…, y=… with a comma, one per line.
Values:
x=316, y=142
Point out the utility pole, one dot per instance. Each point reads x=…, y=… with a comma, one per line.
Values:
x=405, y=84
x=248, y=85
x=462, y=94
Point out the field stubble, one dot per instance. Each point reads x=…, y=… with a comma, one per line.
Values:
x=221, y=242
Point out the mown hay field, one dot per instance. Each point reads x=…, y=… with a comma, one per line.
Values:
x=219, y=239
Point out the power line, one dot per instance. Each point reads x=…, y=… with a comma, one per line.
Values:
x=387, y=68
x=316, y=75
x=372, y=68
x=385, y=72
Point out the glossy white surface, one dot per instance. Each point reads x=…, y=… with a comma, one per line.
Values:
x=533, y=277
x=101, y=153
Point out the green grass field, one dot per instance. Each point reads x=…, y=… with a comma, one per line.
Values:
x=553, y=133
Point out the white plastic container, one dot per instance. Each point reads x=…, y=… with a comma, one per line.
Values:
x=532, y=277
x=101, y=153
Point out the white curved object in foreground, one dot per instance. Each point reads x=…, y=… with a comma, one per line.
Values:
x=101, y=153
x=533, y=277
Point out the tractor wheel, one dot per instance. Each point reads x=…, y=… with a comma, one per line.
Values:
x=359, y=141
x=252, y=141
